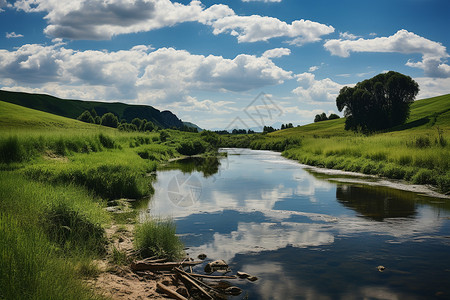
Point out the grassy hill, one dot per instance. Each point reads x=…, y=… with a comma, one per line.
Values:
x=425, y=114
x=13, y=117
x=73, y=108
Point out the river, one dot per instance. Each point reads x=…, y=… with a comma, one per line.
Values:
x=303, y=235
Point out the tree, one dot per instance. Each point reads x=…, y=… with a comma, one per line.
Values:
x=149, y=126
x=321, y=117
x=333, y=117
x=137, y=122
x=86, y=117
x=110, y=120
x=377, y=103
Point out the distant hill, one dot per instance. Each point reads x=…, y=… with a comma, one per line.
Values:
x=73, y=108
x=189, y=124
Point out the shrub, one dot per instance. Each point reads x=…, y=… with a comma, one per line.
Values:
x=423, y=176
x=110, y=120
x=191, y=147
x=157, y=237
x=106, y=141
x=70, y=228
x=422, y=142
x=86, y=117
x=11, y=150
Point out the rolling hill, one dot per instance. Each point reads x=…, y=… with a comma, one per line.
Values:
x=73, y=108
x=424, y=114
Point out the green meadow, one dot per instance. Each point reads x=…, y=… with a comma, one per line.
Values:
x=56, y=178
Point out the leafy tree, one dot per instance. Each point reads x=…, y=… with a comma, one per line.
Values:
x=268, y=129
x=94, y=113
x=163, y=135
x=86, y=117
x=149, y=126
x=377, y=103
x=137, y=122
x=127, y=127
x=321, y=117
x=110, y=120
x=333, y=117
x=98, y=120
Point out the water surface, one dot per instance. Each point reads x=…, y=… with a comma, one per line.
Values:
x=306, y=237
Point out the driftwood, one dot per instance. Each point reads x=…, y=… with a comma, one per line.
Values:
x=170, y=292
x=141, y=265
x=185, y=277
x=213, y=276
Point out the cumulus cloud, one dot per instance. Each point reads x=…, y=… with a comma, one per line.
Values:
x=258, y=28
x=91, y=19
x=347, y=36
x=431, y=87
x=13, y=35
x=193, y=104
x=313, y=90
x=140, y=72
x=433, y=53
x=277, y=52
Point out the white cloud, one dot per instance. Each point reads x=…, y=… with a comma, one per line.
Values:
x=277, y=52
x=258, y=28
x=431, y=87
x=139, y=73
x=12, y=35
x=312, y=90
x=92, y=19
x=347, y=36
x=433, y=53
x=191, y=104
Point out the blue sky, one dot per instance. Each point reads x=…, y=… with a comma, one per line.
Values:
x=216, y=63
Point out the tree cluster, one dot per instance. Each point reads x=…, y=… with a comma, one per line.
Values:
x=323, y=117
x=286, y=126
x=377, y=103
x=109, y=119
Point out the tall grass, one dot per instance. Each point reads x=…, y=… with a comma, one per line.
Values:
x=157, y=237
x=33, y=264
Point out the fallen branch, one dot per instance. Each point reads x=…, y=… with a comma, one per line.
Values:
x=212, y=276
x=170, y=292
x=193, y=281
x=141, y=265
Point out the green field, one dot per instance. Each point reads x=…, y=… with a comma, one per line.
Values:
x=56, y=178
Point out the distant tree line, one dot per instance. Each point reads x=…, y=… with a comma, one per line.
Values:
x=323, y=117
x=109, y=119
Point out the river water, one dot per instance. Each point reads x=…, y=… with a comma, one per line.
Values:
x=303, y=235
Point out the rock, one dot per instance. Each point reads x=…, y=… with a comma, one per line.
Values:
x=242, y=274
x=217, y=265
x=233, y=290
x=381, y=268
x=202, y=256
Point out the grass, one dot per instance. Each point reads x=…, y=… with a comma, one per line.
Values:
x=156, y=237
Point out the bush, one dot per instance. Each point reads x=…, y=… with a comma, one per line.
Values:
x=422, y=142
x=157, y=237
x=127, y=127
x=110, y=120
x=71, y=229
x=106, y=141
x=423, y=176
x=11, y=150
x=191, y=147
x=86, y=117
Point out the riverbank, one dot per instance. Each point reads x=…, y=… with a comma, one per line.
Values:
x=417, y=152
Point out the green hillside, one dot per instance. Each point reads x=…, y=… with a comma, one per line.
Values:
x=73, y=108
x=425, y=114
x=14, y=116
